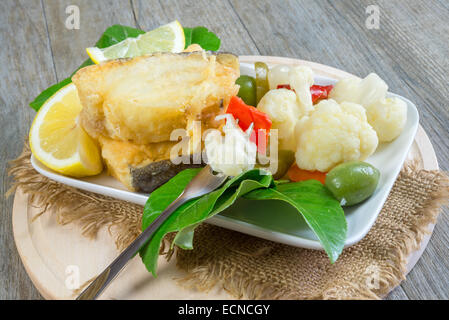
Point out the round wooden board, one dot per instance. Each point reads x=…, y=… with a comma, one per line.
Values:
x=58, y=258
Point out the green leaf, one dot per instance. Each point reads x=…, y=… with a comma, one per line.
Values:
x=117, y=33
x=161, y=198
x=202, y=36
x=47, y=93
x=321, y=211
x=195, y=211
x=112, y=35
x=184, y=238
x=188, y=36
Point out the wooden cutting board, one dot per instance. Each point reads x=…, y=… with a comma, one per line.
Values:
x=57, y=258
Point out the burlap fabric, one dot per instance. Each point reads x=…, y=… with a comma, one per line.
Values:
x=250, y=267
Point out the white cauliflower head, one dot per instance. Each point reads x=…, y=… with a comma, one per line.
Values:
x=284, y=111
x=301, y=79
x=333, y=134
x=233, y=153
x=388, y=117
x=364, y=92
x=346, y=90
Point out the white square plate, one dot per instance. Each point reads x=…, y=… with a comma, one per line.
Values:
x=276, y=220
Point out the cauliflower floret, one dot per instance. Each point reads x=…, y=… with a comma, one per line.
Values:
x=387, y=117
x=278, y=75
x=233, y=153
x=301, y=79
x=333, y=134
x=364, y=92
x=372, y=89
x=346, y=90
x=283, y=109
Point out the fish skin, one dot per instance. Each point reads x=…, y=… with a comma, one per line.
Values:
x=142, y=168
x=151, y=176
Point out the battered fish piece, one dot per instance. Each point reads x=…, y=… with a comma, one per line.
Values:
x=142, y=100
x=131, y=107
x=141, y=168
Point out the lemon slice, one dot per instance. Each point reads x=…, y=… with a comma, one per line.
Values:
x=59, y=142
x=167, y=38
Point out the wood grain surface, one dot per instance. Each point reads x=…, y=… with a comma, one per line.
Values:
x=410, y=51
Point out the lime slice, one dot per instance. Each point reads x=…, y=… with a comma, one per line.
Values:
x=167, y=38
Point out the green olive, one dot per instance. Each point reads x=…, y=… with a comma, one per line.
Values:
x=262, y=85
x=247, y=89
x=283, y=162
x=352, y=182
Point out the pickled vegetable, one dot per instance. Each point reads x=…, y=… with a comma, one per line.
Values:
x=278, y=75
x=250, y=116
x=296, y=174
x=285, y=160
x=247, y=89
x=352, y=182
x=262, y=86
x=283, y=163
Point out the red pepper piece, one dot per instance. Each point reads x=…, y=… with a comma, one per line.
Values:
x=260, y=139
x=285, y=86
x=318, y=92
x=241, y=112
x=247, y=115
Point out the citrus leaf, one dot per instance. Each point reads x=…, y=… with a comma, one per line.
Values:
x=321, y=211
x=194, y=211
x=202, y=36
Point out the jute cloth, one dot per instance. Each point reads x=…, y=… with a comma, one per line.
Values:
x=249, y=267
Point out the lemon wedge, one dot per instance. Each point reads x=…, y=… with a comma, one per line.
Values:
x=167, y=38
x=59, y=142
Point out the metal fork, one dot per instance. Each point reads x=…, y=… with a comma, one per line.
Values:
x=204, y=182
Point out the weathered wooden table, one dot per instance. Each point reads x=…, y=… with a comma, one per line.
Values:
x=410, y=50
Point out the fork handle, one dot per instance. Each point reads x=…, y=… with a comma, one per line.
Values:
x=103, y=280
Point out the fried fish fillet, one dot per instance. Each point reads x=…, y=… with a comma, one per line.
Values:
x=141, y=168
x=142, y=100
x=131, y=107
